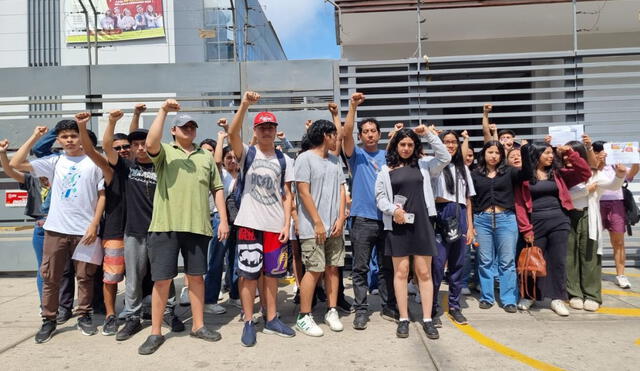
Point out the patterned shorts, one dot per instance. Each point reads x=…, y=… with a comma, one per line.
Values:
x=113, y=263
x=259, y=252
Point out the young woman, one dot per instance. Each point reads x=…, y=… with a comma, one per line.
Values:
x=452, y=191
x=514, y=158
x=584, y=251
x=495, y=225
x=543, y=203
x=409, y=231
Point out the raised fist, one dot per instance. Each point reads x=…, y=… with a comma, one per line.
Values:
x=357, y=99
x=115, y=115
x=222, y=134
x=487, y=108
x=421, y=130
x=333, y=108
x=586, y=140
x=308, y=124
x=39, y=131
x=222, y=122
x=621, y=170
x=280, y=135
x=171, y=105
x=139, y=108
x=398, y=126
x=82, y=118
x=547, y=139
x=465, y=134
x=4, y=145
x=251, y=97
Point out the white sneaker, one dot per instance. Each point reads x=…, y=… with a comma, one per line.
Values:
x=623, y=282
x=465, y=291
x=559, y=307
x=214, y=308
x=591, y=305
x=184, y=296
x=308, y=326
x=412, y=288
x=525, y=304
x=332, y=319
x=234, y=302
x=220, y=296
x=576, y=303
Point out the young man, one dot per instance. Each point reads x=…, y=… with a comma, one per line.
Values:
x=77, y=204
x=367, y=229
x=140, y=184
x=321, y=217
x=490, y=131
x=263, y=219
x=180, y=221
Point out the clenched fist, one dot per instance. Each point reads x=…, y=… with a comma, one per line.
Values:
x=4, y=145
x=39, y=131
x=250, y=97
x=171, y=105
x=333, y=108
x=487, y=108
x=82, y=118
x=139, y=108
x=357, y=99
x=115, y=115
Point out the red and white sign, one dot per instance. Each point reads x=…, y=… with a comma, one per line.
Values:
x=15, y=198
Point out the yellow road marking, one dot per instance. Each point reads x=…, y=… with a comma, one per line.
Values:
x=630, y=312
x=626, y=274
x=620, y=293
x=497, y=347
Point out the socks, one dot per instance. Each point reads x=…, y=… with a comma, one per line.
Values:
x=425, y=320
x=403, y=319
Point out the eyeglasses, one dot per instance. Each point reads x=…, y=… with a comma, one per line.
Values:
x=120, y=148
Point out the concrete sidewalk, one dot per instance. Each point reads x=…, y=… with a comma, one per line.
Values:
x=493, y=340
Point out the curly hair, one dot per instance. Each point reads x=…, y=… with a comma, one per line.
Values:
x=393, y=157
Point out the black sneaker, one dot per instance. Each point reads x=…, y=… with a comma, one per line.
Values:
x=110, y=326
x=456, y=315
x=403, y=329
x=296, y=298
x=63, y=316
x=390, y=314
x=485, y=305
x=510, y=308
x=344, y=306
x=46, y=331
x=85, y=325
x=206, y=334
x=171, y=320
x=131, y=327
x=146, y=314
x=150, y=345
x=360, y=322
x=437, y=322
x=430, y=330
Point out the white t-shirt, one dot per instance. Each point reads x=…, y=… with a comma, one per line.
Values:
x=228, y=181
x=610, y=173
x=439, y=186
x=261, y=206
x=74, y=191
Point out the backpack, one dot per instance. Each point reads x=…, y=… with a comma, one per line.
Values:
x=630, y=207
x=233, y=200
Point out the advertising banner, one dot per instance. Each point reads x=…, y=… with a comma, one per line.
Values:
x=15, y=198
x=118, y=20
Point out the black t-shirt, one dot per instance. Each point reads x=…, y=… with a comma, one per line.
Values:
x=545, y=195
x=496, y=191
x=114, y=210
x=140, y=186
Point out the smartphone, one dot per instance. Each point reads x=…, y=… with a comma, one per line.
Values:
x=409, y=217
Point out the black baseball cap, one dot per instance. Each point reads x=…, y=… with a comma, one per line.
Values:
x=138, y=134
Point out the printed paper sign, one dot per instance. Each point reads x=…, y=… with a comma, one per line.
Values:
x=15, y=198
x=622, y=152
x=92, y=253
x=560, y=135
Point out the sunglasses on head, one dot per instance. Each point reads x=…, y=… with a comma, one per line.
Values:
x=120, y=148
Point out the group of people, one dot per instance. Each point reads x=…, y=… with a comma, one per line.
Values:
x=143, y=202
x=122, y=19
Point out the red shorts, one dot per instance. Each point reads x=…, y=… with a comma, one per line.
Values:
x=260, y=252
x=614, y=217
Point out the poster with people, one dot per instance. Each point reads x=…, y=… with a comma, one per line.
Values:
x=118, y=20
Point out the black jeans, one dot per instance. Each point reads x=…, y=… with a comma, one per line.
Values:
x=365, y=234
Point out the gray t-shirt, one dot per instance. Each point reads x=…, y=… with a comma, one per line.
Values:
x=325, y=177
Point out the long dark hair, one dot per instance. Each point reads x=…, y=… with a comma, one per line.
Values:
x=531, y=153
x=458, y=162
x=482, y=163
x=578, y=147
x=393, y=157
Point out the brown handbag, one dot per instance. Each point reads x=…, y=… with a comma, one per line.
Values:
x=531, y=263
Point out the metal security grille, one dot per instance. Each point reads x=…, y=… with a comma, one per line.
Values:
x=530, y=92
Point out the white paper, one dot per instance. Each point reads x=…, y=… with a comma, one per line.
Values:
x=560, y=135
x=622, y=153
x=92, y=253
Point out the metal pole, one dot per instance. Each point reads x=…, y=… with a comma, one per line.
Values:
x=95, y=28
x=86, y=22
x=245, y=27
x=419, y=33
x=575, y=28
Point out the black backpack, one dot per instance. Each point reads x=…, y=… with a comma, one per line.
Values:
x=630, y=207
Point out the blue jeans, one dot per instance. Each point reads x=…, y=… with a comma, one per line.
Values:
x=38, y=246
x=372, y=276
x=213, y=278
x=231, y=279
x=497, y=246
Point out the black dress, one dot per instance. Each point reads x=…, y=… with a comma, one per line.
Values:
x=417, y=238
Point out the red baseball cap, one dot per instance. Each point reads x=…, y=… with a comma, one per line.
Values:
x=264, y=118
